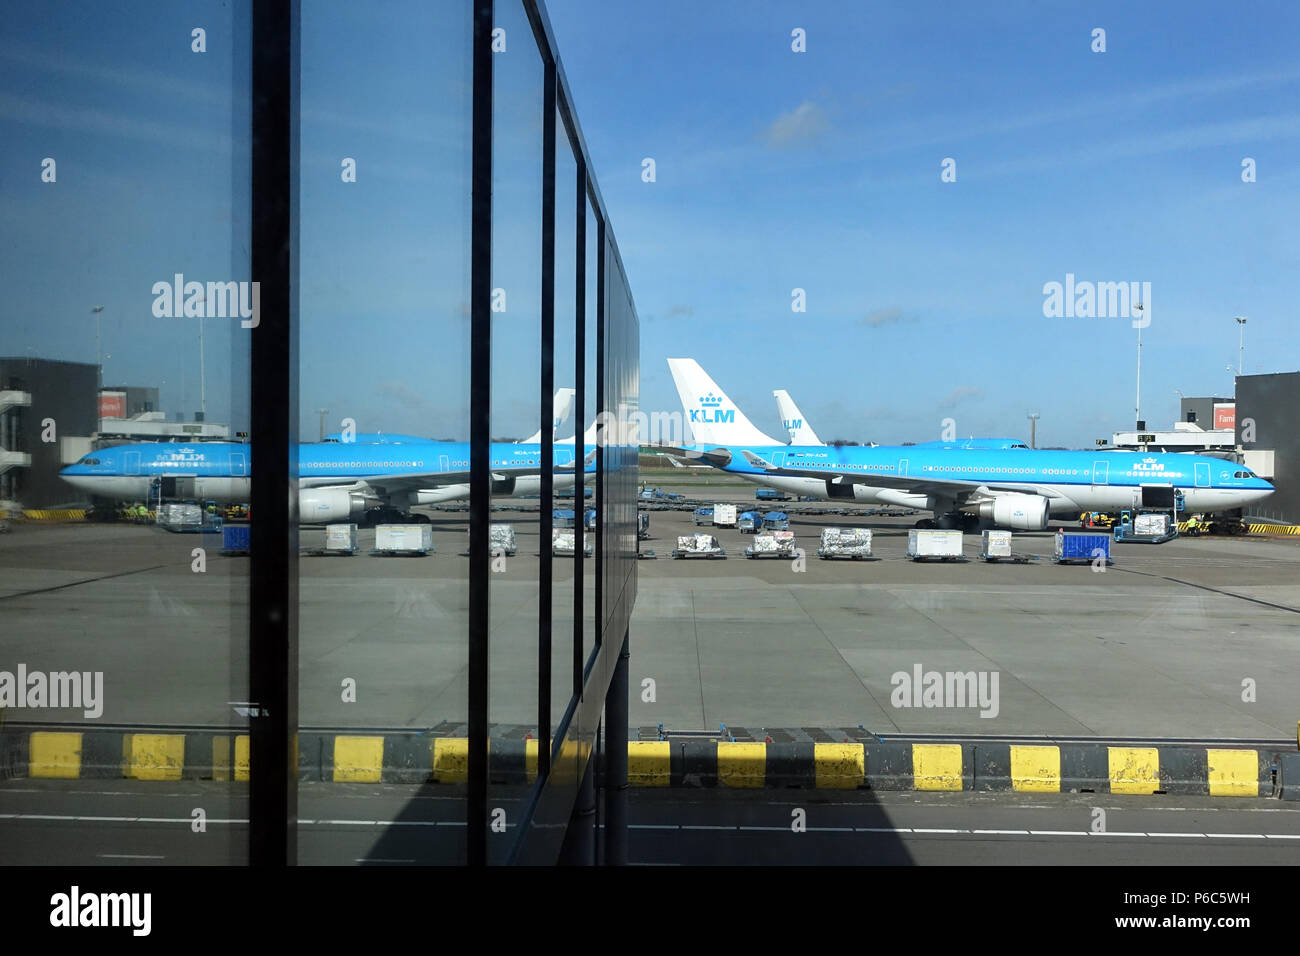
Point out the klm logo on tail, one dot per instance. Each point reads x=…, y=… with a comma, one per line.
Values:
x=711, y=413
x=792, y=423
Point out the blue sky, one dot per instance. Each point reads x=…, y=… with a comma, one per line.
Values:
x=775, y=170
x=821, y=171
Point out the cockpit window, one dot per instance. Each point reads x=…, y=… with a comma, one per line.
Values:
x=1244, y=474
x=88, y=461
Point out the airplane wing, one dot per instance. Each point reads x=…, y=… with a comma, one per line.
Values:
x=964, y=490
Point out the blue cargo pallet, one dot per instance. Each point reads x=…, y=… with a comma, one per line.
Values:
x=1081, y=546
x=235, y=539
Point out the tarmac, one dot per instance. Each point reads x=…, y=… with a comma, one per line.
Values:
x=1196, y=639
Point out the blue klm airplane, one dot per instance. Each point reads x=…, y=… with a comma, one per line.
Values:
x=337, y=480
x=1018, y=488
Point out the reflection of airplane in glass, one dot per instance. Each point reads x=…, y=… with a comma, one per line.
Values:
x=336, y=480
x=1013, y=488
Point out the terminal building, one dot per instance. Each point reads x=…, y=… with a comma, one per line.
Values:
x=1269, y=443
x=51, y=415
x=1204, y=426
x=1256, y=428
x=47, y=419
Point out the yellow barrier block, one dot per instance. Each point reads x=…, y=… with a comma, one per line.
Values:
x=450, y=759
x=742, y=764
x=936, y=766
x=1233, y=773
x=1134, y=769
x=242, y=765
x=839, y=766
x=530, y=759
x=1036, y=769
x=56, y=755
x=153, y=756
x=649, y=763
x=358, y=759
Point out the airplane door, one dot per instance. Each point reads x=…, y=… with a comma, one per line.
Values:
x=902, y=466
x=779, y=459
x=1101, y=472
x=238, y=468
x=444, y=463
x=563, y=456
x=1202, y=475
x=131, y=463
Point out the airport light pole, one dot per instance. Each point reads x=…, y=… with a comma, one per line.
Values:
x=1137, y=406
x=99, y=357
x=1033, y=429
x=203, y=377
x=1241, y=343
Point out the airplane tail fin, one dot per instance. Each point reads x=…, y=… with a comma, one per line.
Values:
x=792, y=420
x=560, y=414
x=713, y=417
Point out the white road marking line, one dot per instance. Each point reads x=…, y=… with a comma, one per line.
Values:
x=68, y=818
x=1235, y=836
x=128, y=856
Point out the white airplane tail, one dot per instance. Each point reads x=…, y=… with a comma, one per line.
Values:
x=560, y=414
x=792, y=420
x=713, y=417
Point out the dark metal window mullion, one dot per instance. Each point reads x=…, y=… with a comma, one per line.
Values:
x=602, y=436
x=579, y=445
x=544, y=573
x=480, y=387
x=273, y=574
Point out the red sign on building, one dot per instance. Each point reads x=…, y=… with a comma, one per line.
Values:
x=1225, y=415
x=112, y=404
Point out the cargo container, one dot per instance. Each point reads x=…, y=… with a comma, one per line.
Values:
x=1151, y=525
x=698, y=545
x=501, y=539
x=340, y=538
x=413, y=539
x=724, y=516
x=181, y=517
x=995, y=544
x=852, y=543
x=642, y=526
x=564, y=543
x=776, y=521
x=770, y=494
x=563, y=518
x=589, y=519
x=944, y=545
x=235, y=539
x=778, y=544
x=749, y=522
x=1081, y=546
x=703, y=516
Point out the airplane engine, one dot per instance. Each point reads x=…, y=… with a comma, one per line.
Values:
x=433, y=496
x=323, y=505
x=1018, y=512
